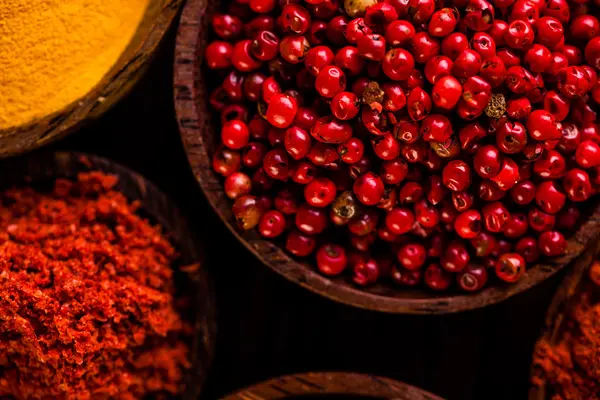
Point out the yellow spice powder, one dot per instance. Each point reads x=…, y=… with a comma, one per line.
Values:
x=52, y=52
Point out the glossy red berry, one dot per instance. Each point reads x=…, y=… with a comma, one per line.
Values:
x=443, y=22
x=508, y=175
x=331, y=130
x=437, y=67
x=467, y=64
x=398, y=64
x=446, y=92
x=550, y=197
x=371, y=46
x=412, y=255
x=479, y=15
x=226, y=161
x=538, y=58
x=468, y=224
x=473, y=278
x=318, y=58
x=539, y=220
x=523, y=192
x=552, y=243
x=345, y=105
x=281, y=110
x=587, y=154
x=418, y=104
x=369, y=189
x=541, y=125
x=399, y=220
x=456, y=175
x=484, y=44
x=218, y=55
x=242, y=58
x=455, y=257
x=511, y=137
x=519, y=35
x=437, y=278
x=577, y=185
x=424, y=47
x=436, y=127
x=330, y=81
x=510, y=267
x=300, y=244
x=351, y=151
x=550, y=31
x=331, y=259
x=399, y=33
x=271, y=224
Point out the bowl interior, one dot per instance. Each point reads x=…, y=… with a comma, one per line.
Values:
x=199, y=133
x=158, y=208
x=118, y=81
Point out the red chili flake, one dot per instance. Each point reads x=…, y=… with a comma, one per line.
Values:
x=87, y=298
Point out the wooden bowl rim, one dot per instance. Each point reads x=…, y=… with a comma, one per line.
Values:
x=564, y=298
x=339, y=383
x=194, y=123
x=111, y=88
x=161, y=208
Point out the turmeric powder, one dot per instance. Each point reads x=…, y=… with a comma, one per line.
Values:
x=53, y=52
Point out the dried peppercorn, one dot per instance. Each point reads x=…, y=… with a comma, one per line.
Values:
x=88, y=308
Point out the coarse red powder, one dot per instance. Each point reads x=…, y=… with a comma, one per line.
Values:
x=571, y=368
x=87, y=298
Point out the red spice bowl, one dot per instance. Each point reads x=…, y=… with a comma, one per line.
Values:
x=567, y=348
x=192, y=289
x=332, y=385
x=200, y=134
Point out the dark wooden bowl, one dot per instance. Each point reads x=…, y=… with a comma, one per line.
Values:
x=198, y=134
x=564, y=299
x=338, y=385
x=160, y=209
x=114, y=85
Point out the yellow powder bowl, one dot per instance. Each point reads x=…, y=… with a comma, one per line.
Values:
x=55, y=77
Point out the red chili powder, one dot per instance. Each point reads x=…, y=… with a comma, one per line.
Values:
x=571, y=368
x=87, y=304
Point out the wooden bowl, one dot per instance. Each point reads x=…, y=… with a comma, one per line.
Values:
x=557, y=316
x=160, y=209
x=117, y=82
x=198, y=134
x=334, y=385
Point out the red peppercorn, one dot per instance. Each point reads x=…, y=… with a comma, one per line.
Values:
x=400, y=220
x=443, y=22
x=369, y=189
x=330, y=81
x=300, y=244
x=272, y=224
x=437, y=278
x=418, y=104
x=519, y=35
x=399, y=33
x=538, y=58
x=577, y=185
x=331, y=259
x=511, y=137
x=226, y=161
x=350, y=61
x=456, y=175
x=424, y=47
x=552, y=243
x=472, y=278
x=549, y=197
x=437, y=67
x=446, y=92
x=456, y=257
x=281, y=110
x=523, y=192
x=468, y=224
x=587, y=154
x=541, y=125
x=484, y=44
x=479, y=15
x=371, y=46
x=412, y=255
x=467, y=64
x=242, y=58
x=510, y=267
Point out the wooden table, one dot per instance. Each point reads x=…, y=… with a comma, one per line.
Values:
x=269, y=327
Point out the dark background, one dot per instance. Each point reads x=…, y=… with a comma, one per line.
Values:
x=268, y=326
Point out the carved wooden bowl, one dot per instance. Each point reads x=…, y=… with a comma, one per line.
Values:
x=565, y=297
x=159, y=209
x=114, y=85
x=332, y=385
x=200, y=140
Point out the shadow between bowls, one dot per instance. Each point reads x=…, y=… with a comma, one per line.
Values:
x=198, y=135
x=557, y=315
x=155, y=204
x=332, y=385
x=117, y=82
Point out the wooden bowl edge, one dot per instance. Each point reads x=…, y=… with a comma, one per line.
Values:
x=188, y=92
x=347, y=383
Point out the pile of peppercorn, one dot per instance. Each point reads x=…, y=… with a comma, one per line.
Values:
x=421, y=141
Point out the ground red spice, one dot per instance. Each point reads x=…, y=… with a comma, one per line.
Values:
x=87, y=305
x=571, y=368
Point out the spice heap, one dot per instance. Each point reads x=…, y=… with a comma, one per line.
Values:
x=53, y=52
x=571, y=368
x=87, y=307
x=426, y=141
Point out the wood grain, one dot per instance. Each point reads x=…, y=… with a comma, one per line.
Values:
x=331, y=383
x=114, y=85
x=161, y=210
x=198, y=136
